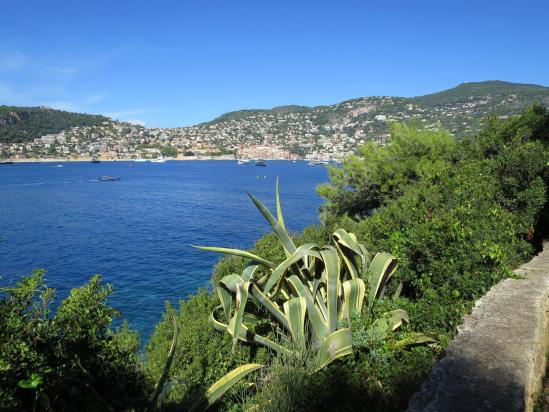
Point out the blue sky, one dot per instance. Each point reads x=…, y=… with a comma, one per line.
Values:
x=176, y=63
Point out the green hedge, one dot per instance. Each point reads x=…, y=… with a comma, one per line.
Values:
x=68, y=359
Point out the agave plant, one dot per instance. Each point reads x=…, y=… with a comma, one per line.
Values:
x=309, y=298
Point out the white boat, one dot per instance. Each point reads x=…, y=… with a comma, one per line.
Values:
x=139, y=159
x=159, y=159
x=244, y=161
x=318, y=162
x=58, y=166
x=108, y=179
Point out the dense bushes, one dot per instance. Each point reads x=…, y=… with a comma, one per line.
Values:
x=378, y=174
x=67, y=360
x=203, y=355
x=464, y=225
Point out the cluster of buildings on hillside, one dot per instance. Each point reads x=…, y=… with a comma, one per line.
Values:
x=330, y=131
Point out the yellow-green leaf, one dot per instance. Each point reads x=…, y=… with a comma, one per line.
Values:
x=217, y=390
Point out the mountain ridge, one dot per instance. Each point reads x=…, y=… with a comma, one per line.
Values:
x=500, y=86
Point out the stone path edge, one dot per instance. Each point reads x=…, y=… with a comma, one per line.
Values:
x=497, y=360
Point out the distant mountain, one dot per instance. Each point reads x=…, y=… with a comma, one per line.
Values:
x=465, y=91
x=23, y=124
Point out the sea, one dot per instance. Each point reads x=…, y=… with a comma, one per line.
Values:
x=137, y=232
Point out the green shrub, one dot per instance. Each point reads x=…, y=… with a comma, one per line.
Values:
x=379, y=174
x=202, y=355
x=460, y=229
x=69, y=359
x=377, y=377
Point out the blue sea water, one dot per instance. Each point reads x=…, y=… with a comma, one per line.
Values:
x=136, y=232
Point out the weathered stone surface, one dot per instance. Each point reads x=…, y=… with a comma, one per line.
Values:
x=497, y=360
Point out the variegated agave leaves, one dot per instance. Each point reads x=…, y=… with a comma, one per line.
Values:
x=307, y=295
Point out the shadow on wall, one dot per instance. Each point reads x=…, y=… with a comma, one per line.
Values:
x=460, y=384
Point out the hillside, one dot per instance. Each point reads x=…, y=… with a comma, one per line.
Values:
x=279, y=133
x=488, y=88
x=23, y=124
x=459, y=109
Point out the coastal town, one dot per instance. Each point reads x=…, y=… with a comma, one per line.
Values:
x=288, y=132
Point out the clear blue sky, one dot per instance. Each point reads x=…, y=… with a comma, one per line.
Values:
x=174, y=63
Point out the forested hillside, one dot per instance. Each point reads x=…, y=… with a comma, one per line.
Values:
x=23, y=124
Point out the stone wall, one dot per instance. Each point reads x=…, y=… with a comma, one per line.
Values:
x=497, y=360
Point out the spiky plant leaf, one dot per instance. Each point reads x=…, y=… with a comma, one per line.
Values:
x=335, y=346
x=295, y=310
x=242, y=292
x=349, y=249
x=381, y=269
x=236, y=252
x=282, y=269
x=165, y=372
x=245, y=334
x=353, y=297
x=279, y=230
x=249, y=271
x=226, y=285
x=331, y=273
x=279, y=208
x=271, y=306
x=217, y=390
x=318, y=322
x=414, y=340
x=389, y=322
x=226, y=300
x=398, y=291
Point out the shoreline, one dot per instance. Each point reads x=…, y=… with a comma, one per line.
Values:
x=88, y=160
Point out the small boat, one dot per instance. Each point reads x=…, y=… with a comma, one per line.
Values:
x=58, y=165
x=159, y=159
x=108, y=179
x=244, y=161
x=140, y=159
x=260, y=163
x=318, y=162
x=6, y=162
x=95, y=160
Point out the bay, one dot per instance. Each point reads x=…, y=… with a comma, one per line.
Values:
x=137, y=232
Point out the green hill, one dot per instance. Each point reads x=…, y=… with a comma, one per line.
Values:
x=459, y=109
x=240, y=114
x=465, y=91
x=23, y=124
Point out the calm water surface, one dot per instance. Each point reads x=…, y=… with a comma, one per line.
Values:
x=136, y=232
